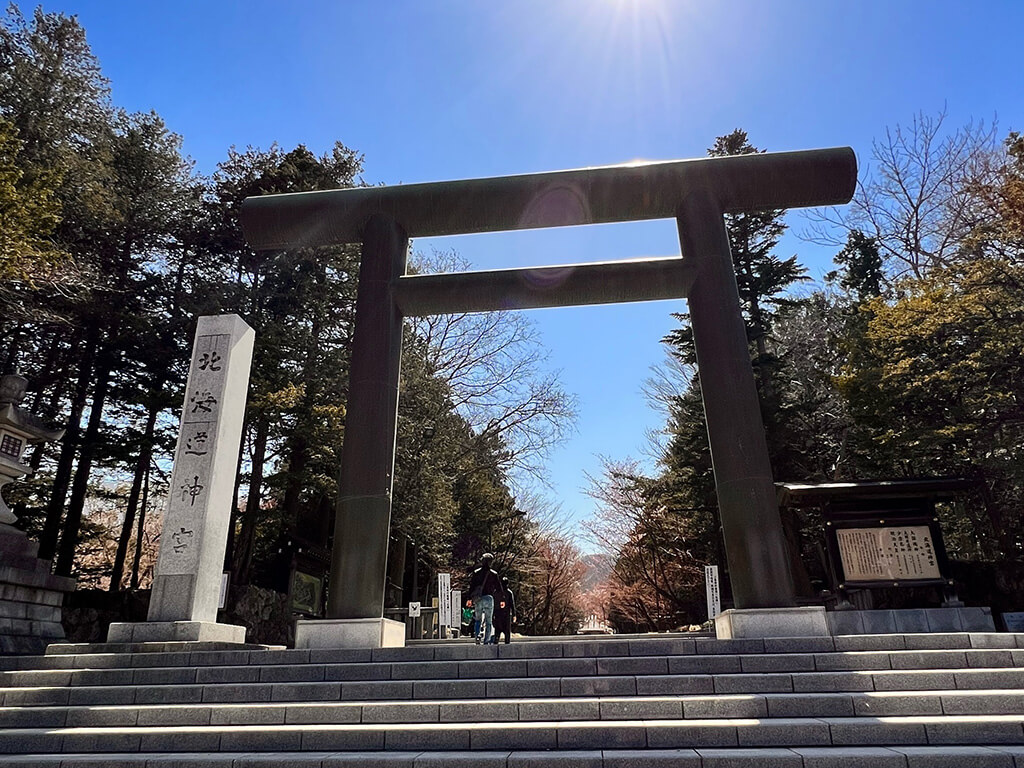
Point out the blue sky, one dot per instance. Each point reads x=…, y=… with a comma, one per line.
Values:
x=447, y=89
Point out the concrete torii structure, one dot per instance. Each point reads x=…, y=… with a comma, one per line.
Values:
x=694, y=192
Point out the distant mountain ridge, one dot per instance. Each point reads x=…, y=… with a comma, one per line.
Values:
x=599, y=568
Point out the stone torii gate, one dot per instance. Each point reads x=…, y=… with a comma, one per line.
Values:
x=694, y=192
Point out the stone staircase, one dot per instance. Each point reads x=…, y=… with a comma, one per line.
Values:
x=863, y=701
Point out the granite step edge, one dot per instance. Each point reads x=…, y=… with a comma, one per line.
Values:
x=669, y=645
x=862, y=757
x=772, y=705
x=546, y=735
x=263, y=657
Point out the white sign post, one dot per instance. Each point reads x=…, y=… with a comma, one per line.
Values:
x=714, y=595
x=444, y=603
x=457, y=611
x=414, y=610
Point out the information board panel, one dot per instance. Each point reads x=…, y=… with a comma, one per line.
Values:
x=887, y=553
x=713, y=590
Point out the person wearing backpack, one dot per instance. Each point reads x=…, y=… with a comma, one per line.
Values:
x=484, y=589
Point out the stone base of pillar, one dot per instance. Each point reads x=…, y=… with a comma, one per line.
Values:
x=350, y=633
x=174, y=632
x=772, y=622
x=30, y=596
x=905, y=620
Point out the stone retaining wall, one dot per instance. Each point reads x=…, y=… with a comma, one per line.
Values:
x=264, y=613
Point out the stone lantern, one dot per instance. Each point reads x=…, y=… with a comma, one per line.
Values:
x=18, y=430
x=30, y=596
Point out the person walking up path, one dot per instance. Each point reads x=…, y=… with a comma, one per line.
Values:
x=484, y=588
x=504, y=613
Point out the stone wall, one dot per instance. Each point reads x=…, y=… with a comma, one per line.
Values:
x=263, y=612
x=30, y=596
x=89, y=612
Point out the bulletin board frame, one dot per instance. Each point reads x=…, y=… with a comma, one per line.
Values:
x=896, y=565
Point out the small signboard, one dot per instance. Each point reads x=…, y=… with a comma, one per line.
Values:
x=444, y=603
x=881, y=533
x=885, y=552
x=307, y=592
x=414, y=610
x=713, y=590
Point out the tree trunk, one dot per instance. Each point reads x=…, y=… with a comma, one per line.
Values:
x=62, y=478
x=247, y=536
x=134, y=583
x=295, y=481
x=76, y=504
x=141, y=469
x=52, y=407
x=13, y=347
x=294, y=478
x=996, y=518
x=229, y=548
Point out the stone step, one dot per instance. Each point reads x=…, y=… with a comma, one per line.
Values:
x=613, y=666
x=925, y=730
x=70, y=656
x=996, y=756
x=676, y=698
x=870, y=704
x=906, y=701
x=66, y=650
x=541, y=687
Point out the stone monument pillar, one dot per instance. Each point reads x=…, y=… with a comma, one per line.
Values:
x=30, y=596
x=186, y=585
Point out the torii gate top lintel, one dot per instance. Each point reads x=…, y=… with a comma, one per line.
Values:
x=628, y=192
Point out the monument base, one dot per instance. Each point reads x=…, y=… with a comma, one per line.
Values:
x=806, y=621
x=174, y=631
x=350, y=633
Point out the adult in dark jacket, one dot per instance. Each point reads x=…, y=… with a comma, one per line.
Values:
x=484, y=591
x=504, y=613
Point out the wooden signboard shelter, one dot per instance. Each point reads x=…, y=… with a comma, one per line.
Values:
x=881, y=533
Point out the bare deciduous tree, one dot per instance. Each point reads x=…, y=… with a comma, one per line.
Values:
x=919, y=200
x=493, y=366
x=656, y=569
x=550, y=599
x=95, y=557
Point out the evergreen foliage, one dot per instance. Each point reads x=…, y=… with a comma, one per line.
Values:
x=111, y=247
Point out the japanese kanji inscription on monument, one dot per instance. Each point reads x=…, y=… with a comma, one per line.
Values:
x=188, y=571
